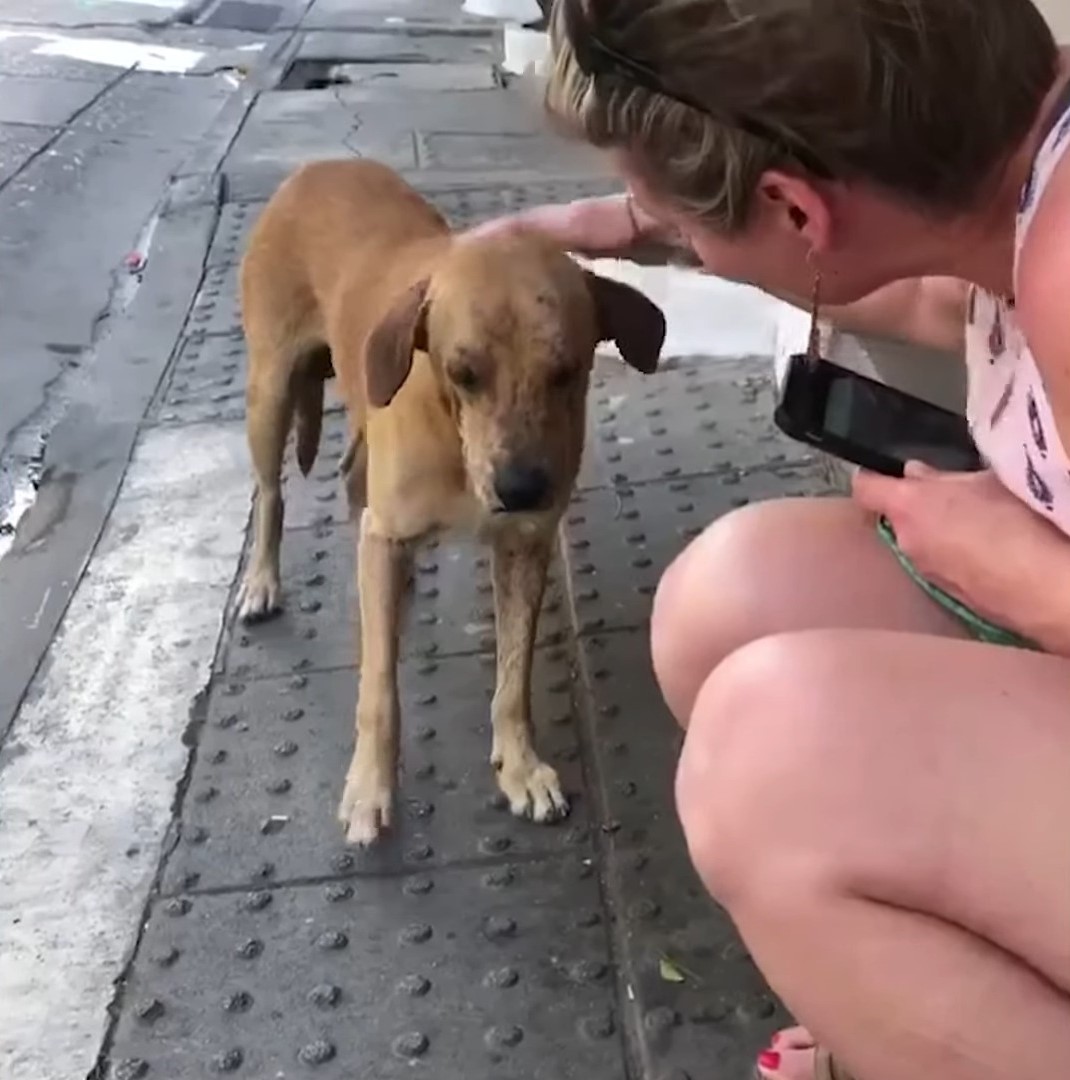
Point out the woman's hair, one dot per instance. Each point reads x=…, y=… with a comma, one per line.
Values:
x=926, y=99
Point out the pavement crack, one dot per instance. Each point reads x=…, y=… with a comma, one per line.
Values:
x=355, y=125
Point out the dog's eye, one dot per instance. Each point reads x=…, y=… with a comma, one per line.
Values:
x=465, y=378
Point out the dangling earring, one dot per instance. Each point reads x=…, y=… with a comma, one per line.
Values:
x=813, y=347
x=633, y=219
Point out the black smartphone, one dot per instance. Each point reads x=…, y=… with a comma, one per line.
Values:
x=868, y=423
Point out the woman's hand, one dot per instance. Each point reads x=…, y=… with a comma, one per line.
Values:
x=611, y=226
x=968, y=534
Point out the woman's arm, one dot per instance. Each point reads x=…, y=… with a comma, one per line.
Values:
x=929, y=311
x=923, y=311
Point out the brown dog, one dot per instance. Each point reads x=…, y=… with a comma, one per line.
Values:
x=464, y=365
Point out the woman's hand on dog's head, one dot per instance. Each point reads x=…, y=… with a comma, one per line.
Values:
x=605, y=226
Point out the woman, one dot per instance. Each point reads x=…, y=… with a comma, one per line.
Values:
x=876, y=776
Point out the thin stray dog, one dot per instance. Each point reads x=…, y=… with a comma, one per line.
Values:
x=464, y=364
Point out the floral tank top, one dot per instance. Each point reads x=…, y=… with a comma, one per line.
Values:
x=1007, y=407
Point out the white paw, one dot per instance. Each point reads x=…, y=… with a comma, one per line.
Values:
x=366, y=809
x=533, y=789
x=259, y=598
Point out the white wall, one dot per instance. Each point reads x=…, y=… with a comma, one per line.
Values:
x=1057, y=12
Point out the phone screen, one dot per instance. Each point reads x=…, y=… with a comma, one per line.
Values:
x=881, y=419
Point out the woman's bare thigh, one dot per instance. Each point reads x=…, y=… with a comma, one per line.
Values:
x=936, y=773
x=773, y=567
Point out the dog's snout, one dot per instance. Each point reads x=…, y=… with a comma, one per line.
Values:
x=521, y=487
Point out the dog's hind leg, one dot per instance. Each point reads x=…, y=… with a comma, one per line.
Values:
x=531, y=786
x=270, y=409
x=383, y=572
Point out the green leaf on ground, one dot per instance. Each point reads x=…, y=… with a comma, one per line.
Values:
x=670, y=972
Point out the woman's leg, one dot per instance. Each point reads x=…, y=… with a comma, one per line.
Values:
x=787, y=564
x=886, y=816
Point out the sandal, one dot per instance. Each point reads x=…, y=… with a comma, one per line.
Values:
x=825, y=1068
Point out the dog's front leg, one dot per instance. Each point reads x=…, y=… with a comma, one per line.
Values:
x=382, y=574
x=531, y=786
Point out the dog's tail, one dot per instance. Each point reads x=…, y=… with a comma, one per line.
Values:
x=308, y=421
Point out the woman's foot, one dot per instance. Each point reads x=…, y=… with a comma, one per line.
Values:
x=792, y=1055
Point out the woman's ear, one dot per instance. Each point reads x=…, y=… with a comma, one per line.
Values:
x=794, y=204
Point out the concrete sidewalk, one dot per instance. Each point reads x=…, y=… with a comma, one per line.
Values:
x=177, y=895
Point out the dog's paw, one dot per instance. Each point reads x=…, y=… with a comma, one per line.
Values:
x=260, y=597
x=366, y=810
x=533, y=790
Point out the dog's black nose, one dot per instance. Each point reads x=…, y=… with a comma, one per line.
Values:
x=521, y=487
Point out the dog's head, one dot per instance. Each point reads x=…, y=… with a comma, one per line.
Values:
x=511, y=328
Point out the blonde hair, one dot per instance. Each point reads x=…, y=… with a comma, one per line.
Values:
x=926, y=99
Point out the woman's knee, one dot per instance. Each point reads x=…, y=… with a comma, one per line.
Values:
x=678, y=665
x=709, y=602
x=757, y=787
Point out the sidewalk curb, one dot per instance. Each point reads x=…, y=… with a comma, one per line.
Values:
x=207, y=156
x=70, y=516
x=89, y=451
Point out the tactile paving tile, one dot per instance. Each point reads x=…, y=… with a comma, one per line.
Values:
x=499, y=971
x=216, y=308
x=206, y=382
x=462, y=206
x=272, y=759
x=694, y=416
x=449, y=612
x=318, y=499
x=620, y=541
x=633, y=737
x=236, y=220
x=701, y=1007
x=444, y=150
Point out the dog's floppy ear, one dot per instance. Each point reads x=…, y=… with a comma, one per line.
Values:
x=390, y=345
x=629, y=318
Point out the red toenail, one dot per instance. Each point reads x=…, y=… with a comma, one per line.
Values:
x=769, y=1059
